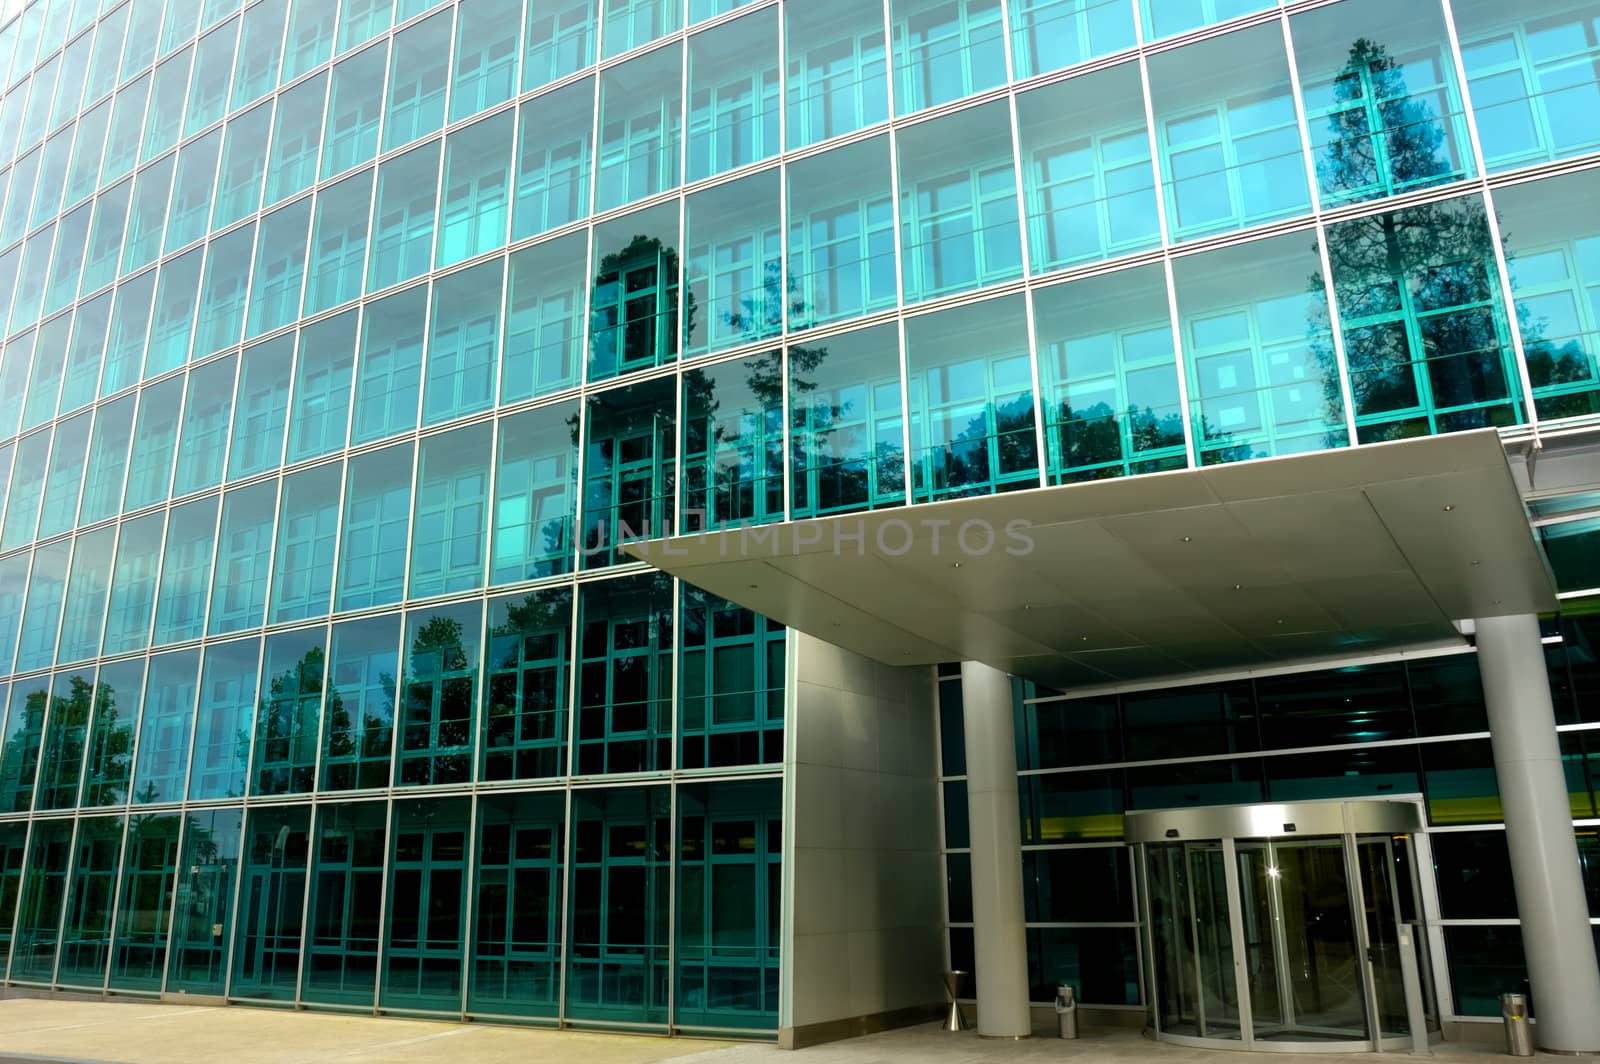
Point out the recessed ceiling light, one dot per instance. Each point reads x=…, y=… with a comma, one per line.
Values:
x=955, y=565
x=1238, y=587
x=1188, y=539
x=1448, y=508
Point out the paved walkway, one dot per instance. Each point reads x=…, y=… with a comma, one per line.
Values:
x=147, y=1033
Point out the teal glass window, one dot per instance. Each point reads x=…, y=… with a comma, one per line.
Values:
x=618, y=917
x=170, y=697
x=1086, y=164
x=355, y=106
x=1551, y=234
x=641, y=121
x=1531, y=69
x=83, y=174
x=280, y=268
x=244, y=166
x=320, y=409
x=535, y=498
x=372, y=553
x=1109, y=377
x=40, y=902
x=186, y=571
x=155, y=440
x=15, y=362
x=144, y=908
x=364, y=667
x=32, y=278
x=1425, y=334
x=163, y=123
x=122, y=143
x=52, y=178
x=133, y=584
x=86, y=931
x=558, y=40
x=464, y=343
x=224, y=720
x=41, y=94
x=730, y=684
x=628, y=468
x=244, y=556
x=419, y=72
x=733, y=95
x=1164, y=18
x=970, y=382
x=84, y=611
x=389, y=369
x=108, y=463
x=476, y=214
x=13, y=580
x=24, y=732
x=147, y=215
x=27, y=489
x=340, y=965
x=847, y=431
x=223, y=296
x=130, y=323
x=41, y=615
x=362, y=20
x=426, y=926
x=172, y=322
x=23, y=178
x=624, y=694
x=266, y=956
x=308, y=529
x=103, y=256
x=5, y=475
x=487, y=43
x=408, y=199
x=958, y=203
x=1381, y=100
x=104, y=73
x=700, y=10
x=733, y=443
x=309, y=37
x=179, y=24
x=208, y=93
x=544, y=319
x=210, y=860
x=80, y=377
x=1258, y=351
x=255, y=67
x=944, y=50
x=841, y=234
x=633, y=304
x=64, y=480
x=734, y=234
x=449, y=521
x=190, y=209
x=110, y=761
x=553, y=160
x=44, y=379
x=1050, y=34
x=631, y=23
x=730, y=886
x=526, y=687
x=443, y=646
x=296, y=139
x=838, y=78
x=339, y=243
x=1227, y=134
x=516, y=962
x=203, y=439
x=260, y=404
x=289, y=721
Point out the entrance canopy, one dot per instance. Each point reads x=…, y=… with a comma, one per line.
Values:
x=1300, y=558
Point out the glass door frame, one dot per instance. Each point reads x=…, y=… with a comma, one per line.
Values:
x=1349, y=824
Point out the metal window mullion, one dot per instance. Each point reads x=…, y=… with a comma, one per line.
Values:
x=907, y=463
x=116, y=892
x=313, y=822
x=238, y=878
x=22, y=878
x=672, y=902
x=1496, y=238
x=172, y=902
x=1335, y=326
x=566, y=903
x=468, y=924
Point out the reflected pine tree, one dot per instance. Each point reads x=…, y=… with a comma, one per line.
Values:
x=1382, y=138
x=291, y=713
x=111, y=751
x=439, y=693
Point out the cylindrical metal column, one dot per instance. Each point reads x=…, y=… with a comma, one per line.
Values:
x=1544, y=852
x=999, y=942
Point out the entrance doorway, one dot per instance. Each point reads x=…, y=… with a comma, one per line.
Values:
x=1284, y=927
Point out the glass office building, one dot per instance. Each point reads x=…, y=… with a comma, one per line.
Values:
x=346, y=342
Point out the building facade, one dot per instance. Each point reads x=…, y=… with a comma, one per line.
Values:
x=347, y=342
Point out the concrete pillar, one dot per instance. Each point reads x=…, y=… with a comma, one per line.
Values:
x=1000, y=946
x=1544, y=853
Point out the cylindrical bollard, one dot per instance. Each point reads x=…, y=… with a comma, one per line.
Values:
x=954, y=1020
x=1519, y=1036
x=1066, y=1012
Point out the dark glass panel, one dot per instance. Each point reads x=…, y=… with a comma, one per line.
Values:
x=1356, y=705
x=624, y=693
x=1189, y=722
x=1100, y=963
x=341, y=948
x=958, y=886
x=204, y=905
x=86, y=934
x=516, y=945
x=1485, y=962
x=441, y=679
x=1080, y=732
x=957, y=835
x=144, y=902
x=1085, y=884
x=952, y=731
x=423, y=961
x=527, y=686
x=1460, y=782
x=1351, y=773
x=43, y=891
x=730, y=678
x=1447, y=695
x=1058, y=807
x=266, y=957
x=1223, y=781
x=1473, y=869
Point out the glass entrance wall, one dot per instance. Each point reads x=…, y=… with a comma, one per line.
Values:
x=1283, y=927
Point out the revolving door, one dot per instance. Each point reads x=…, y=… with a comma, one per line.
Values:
x=1285, y=927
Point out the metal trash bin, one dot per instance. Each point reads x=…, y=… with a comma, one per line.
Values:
x=1519, y=1036
x=1066, y=1012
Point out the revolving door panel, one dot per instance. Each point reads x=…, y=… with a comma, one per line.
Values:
x=1191, y=941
